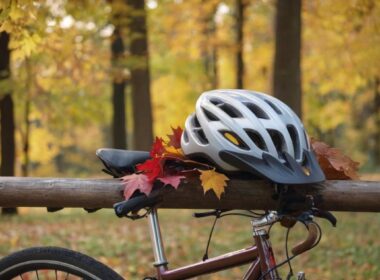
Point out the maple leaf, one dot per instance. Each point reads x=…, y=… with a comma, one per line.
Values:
x=152, y=168
x=173, y=152
x=174, y=180
x=136, y=182
x=175, y=138
x=212, y=180
x=334, y=163
x=158, y=148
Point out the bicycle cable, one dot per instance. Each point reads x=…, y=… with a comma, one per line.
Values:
x=292, y=257
x=219, y=215
x=290, y=273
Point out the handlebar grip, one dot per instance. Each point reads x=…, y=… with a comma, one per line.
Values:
x=134, y=204
x=309, y=242
x=205, y=214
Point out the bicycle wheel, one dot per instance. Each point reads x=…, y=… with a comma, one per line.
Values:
x=48, y=263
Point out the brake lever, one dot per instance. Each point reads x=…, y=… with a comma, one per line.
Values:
x=325, y=215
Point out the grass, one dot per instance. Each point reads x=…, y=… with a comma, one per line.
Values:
x=350, y=251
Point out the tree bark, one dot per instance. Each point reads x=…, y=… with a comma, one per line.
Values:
x=119, y=135
x=240, y=5
x=376, y=114
x=140, y=77
x=7, y=122
x=287, y=60
x=208, y=46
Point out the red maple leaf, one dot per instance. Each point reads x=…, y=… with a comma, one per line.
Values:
x=174, y=180
x=175, y=138
x=158, y=148
x=136, y=182
x=152, y=168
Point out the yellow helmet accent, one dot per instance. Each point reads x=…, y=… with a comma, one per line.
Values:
x=231, y=138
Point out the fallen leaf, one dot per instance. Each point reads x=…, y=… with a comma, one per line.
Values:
x=174, y=181
x=175, y=138
x=334, y=163
x=152, y=168
x=212, y=180
x=136, y=182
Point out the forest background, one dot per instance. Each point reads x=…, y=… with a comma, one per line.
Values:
x=88, y=74
x=79, y=75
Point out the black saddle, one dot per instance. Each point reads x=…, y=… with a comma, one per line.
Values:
x=120, y=162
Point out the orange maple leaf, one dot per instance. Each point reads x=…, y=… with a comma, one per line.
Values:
x=171, y=151
x=334, y=163
x=212, y=180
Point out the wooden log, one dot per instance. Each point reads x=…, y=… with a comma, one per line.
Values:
x=360, y=196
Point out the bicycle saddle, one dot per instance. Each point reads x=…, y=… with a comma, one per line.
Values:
x=119, y=162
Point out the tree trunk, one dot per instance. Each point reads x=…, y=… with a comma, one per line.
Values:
x=287, y=60
x=119, y=135
x=140, y=77
x=26, y=135
x=376, y=114
x=240, y=5
x=7, y=122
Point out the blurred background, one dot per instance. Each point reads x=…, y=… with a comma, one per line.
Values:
x=79, y=75
x=88, y=74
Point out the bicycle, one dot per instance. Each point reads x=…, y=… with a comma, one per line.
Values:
x=59, y=263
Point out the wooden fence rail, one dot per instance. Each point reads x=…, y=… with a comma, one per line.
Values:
x=360, y=196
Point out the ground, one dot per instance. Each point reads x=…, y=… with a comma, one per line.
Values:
x=350, y=251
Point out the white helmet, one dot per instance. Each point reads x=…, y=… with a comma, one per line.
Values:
x=241, y=130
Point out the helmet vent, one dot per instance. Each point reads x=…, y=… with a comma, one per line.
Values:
x=257, y=139
x=274, y=107
x=210, y=116
x=257, y=111
x=306, y=140
x=201, y=136
x=196, y=122
x=295, y=140
x=227, y=108
x=185, y=137
x=278, y=141
x=216, y=101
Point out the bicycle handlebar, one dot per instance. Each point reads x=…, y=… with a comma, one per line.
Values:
x=313, y=235
x=134, y=204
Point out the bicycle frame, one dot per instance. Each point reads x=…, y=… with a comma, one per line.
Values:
x=261, y=256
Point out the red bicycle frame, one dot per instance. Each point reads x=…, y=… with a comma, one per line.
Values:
x=261, y=256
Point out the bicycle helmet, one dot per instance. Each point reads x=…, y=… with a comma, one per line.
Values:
x=247, y=131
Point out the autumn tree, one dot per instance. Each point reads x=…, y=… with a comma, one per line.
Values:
x=208, y=42
x=240, y=8
x=287, y=58
x=140, y=76
x=119, y=81
x=7, y=122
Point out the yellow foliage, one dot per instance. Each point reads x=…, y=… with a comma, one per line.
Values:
x=43, y=146
x=173, y=100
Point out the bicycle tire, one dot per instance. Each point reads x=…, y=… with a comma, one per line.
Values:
x=55, y=260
